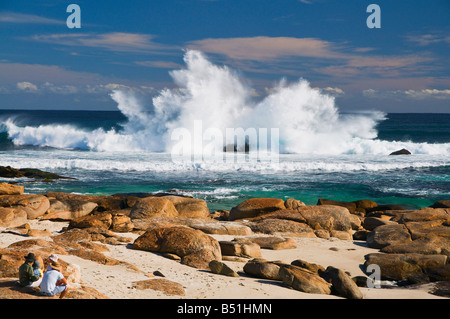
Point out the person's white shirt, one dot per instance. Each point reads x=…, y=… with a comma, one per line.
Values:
x=48, y=283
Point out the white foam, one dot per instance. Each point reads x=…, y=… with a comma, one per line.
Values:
x=161, y=162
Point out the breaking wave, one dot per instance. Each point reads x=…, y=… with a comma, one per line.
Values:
x=308, y=120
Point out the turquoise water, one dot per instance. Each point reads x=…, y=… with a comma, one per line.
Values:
x=412, y=181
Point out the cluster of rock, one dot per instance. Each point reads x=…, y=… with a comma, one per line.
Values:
x=414, y=245
x=11, y=172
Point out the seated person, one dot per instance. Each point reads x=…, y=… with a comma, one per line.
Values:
x=27, y=278
x=53, y=282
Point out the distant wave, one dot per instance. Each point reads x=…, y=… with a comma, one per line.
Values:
x=144, y=162
x=308, y=120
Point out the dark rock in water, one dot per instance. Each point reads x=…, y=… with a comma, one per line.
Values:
x=234, y=148
x=442, y=204
x=10, y=172
x=401, y=152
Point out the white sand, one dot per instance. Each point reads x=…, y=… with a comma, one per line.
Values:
x=116, y=281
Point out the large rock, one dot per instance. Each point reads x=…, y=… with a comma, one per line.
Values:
x=426, y=214
x=343, y=284
x=8, y=189
x=100, y=220
x=427, y=245
x=364, y=204
x=385, y=235
x=433, y=228
x=72, y=236
x=315, y=268
x=34, y=205
x=351, y=206
x=240, y=249
x=12, y=217
x=304, y=280
x=288, y=227
x=189, y=207
x=404, y=266
x=105, y=203
x=327, y=217
x=261, y=268
x=153, y=207
x=221, y=228
x=182, y=241
x=292, y=203
x=286, y=214
x=370, y=223
x=271, y=242
x=69, y=209
x=401, y=152
x=121, y=223
x=254, y=207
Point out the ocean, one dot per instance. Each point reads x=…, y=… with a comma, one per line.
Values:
x=322, y=152
x=414, y=181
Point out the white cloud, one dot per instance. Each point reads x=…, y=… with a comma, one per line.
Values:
x=411, y=94
x=27, y=87
x=266, y=48
x=428, y=39
x=59, y=89
x=159, y=64
x=12, y=17
x=113, y=41
x=333, y=91
x=428, y=93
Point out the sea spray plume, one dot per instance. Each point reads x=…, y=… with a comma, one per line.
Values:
x=206, y=92
x=309, y=120
x=144, y=129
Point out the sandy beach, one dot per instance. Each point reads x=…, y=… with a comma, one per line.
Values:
x=117, y=282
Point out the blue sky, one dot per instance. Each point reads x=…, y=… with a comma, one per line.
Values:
x=401, y=67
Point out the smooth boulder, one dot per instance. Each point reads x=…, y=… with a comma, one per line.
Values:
x=34, y=205
x=254, y=207
x=189, y=207
x=182, y=241
x=69, y=209
x=12, y=217
x=153, y=207
x=386, y=235
x=8, y=189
